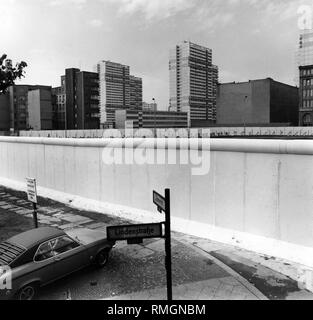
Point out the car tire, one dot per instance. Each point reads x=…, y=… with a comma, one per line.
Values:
x=28, y=292
x=102, y=258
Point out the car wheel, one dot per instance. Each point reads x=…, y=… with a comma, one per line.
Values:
x=102, y=258
x=27, y=293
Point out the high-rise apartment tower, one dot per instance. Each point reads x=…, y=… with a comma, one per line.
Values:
x=193, y=81
x=118, y=90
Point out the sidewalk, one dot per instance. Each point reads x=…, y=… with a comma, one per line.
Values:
x=217, y=289
x=234, y=274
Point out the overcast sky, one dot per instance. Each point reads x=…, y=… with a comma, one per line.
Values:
x=250, y=38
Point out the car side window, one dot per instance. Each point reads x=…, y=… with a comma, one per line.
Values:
x=55, y=247
x=44, y=252
x=64, y=244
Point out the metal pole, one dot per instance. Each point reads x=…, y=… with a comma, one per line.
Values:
x=155, y=134
x=168, y=258
x=35, y=215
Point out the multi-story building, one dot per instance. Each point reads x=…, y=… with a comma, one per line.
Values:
x=151, y=120
x=305, y=77
x=19, y=105
x=257, y=102
x=135, y=93
x=306, y=96
x=4, y=112
x=118, y=90
x=193, y=81
x=88, y=110
x=114, y=90
x=40, y=113
x=149, y=106
x=76, y=102
x=71, y=108
x=59, y=106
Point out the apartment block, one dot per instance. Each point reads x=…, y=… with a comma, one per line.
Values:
x=19, y=118
x=193, y=81
x=118, y=90
x=76, y=101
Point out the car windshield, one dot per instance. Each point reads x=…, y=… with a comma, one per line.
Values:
x=64, y=244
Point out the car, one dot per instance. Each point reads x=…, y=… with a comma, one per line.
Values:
x=41, y=256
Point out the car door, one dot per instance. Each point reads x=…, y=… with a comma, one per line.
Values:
x=69, y=256
x=43, y=267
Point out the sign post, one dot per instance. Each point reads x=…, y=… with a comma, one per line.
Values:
x=32, y=197
x=164, y=205
x=168, y=249
x=134, y=234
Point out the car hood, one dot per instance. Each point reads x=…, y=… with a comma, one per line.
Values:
x=87, y=236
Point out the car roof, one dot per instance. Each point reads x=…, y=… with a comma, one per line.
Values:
x=33, y=237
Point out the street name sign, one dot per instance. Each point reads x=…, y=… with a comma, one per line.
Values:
x=159, y=201
x=31, y=190
x=139, y=231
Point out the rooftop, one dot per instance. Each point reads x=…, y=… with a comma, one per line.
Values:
x=32, y=237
